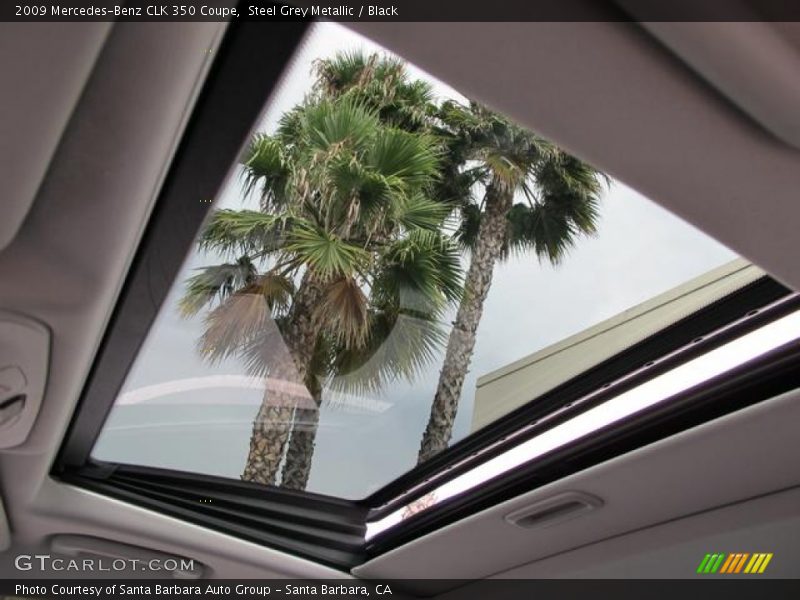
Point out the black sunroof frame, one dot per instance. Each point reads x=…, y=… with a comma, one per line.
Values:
x=322, y=528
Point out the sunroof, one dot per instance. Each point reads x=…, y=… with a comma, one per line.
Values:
x=390, y=269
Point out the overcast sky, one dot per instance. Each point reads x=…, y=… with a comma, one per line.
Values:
x=641, y=251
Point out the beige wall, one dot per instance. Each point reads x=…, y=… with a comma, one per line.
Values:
x=509, y=387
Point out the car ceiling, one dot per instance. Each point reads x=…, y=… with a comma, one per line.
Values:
x=652, y=106
x=36, y=108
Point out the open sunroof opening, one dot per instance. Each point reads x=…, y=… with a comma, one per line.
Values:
x=390, y=269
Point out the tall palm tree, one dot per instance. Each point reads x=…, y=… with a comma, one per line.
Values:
x=481, y=150
x=561, y=196
x=341, y=275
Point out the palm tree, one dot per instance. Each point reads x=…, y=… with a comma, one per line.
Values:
x=505, y=161
x=480, y=150
x=340, y=277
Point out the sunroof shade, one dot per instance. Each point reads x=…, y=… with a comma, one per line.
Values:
x=389, y=269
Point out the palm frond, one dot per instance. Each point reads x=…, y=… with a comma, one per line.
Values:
x=409, y=157
x=420, y=212
x=215, y=282
x=266, y=353
x=248, y=232
x=276, y=289
x=506, y=174
x=354, y=183
x=265, y=165
x=548, y=228
x=328, y=124
x=325, y=253
x=568, y=194
x=334, y=76
x=380, y=82
x=344, y=311
x=230, y=326
x=573, y=187
x=421, y=273
x=469, y=225
x=400, y=346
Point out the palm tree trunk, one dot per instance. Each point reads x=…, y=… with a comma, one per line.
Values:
x=271, y=429
x=278, y=413
x=461, y=343
x=300, y=452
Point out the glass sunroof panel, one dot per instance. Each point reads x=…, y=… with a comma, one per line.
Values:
x=390, y=269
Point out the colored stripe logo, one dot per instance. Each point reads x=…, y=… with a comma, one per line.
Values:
x=734, y=563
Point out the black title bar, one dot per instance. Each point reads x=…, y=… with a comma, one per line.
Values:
x=400, y=10
x=731, y=588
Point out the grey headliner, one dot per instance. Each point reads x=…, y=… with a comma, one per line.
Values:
x=36, y=103
x=722, y=462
